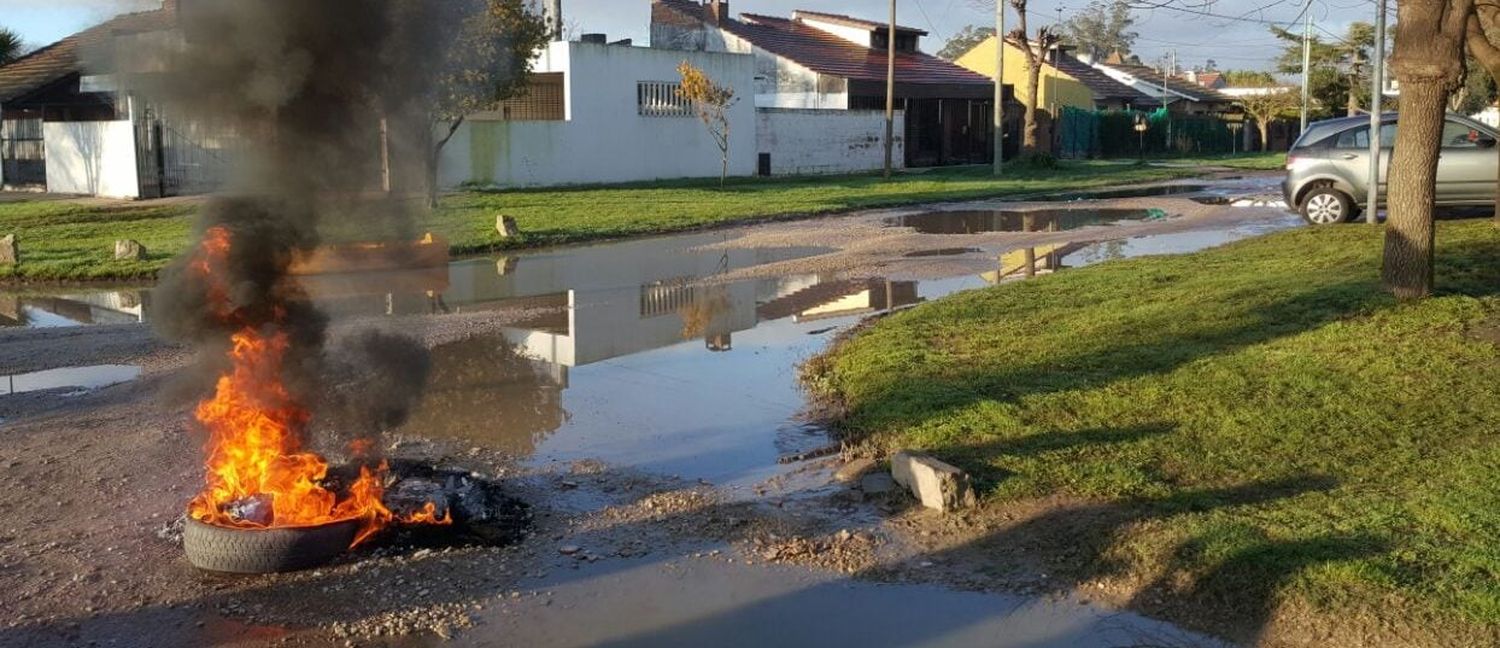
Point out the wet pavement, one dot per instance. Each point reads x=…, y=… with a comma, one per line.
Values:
x=658, y=356
x=712, y=602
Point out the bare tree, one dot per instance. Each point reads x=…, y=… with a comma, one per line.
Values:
x=489, y=61
x=1429, y=64
x=1482, y=36
x=1265, y=106
x=711, y=102
x=1036, y=52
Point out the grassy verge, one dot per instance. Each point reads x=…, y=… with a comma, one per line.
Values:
x=1248, y=426
x=68, y=241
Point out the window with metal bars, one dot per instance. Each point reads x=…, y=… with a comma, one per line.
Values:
x=661, y=99
x=542, y=100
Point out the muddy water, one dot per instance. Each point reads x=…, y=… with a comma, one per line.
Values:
x=705, y=602
x=1050, y=220
x=77, y=378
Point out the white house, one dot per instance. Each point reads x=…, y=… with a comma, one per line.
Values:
x=600, y=113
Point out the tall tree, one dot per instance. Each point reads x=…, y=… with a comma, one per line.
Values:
x=966, y=39
x=1102, y=28
x=489, y=61
x=10, y=46
x=711, y=102
x=1483, y=42
x=1429, y=64
x=1265, y=106
x=1340, y=73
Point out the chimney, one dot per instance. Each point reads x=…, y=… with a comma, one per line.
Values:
x=718, y=11
x=553, y=15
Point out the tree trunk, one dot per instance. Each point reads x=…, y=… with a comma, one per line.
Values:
x=432, y=162
x=1033, y=86
x=1264, y=126
x=723, y=170
x=1429, y=64
x=1409, y=234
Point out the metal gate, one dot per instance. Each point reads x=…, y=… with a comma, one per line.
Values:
x=23, y=155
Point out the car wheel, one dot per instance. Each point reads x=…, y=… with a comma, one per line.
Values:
x=1327, y=206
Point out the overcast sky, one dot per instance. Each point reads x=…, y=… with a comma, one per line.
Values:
x=1236, y=42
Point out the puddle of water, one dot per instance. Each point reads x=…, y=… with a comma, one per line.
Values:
x=83, y=378
x=1128, y=192
x=1043, y=259
x=942, y=252
x=689, y=602
x=74, y=308
x=1050, y=220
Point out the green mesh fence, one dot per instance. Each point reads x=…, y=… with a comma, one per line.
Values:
x=1112, y=134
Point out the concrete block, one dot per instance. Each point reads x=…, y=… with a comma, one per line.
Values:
x=129, y=250
x=506, y=226
x=10, y=251
x=936, y=484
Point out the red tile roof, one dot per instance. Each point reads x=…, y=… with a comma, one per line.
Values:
x=851, y=21
x=58, y=60
x=825, y=53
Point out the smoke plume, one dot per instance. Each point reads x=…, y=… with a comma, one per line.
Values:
x=299, y=92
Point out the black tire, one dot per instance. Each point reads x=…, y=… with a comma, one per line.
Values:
x=1326, y=206
x=264, y=551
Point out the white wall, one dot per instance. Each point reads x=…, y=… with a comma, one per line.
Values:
x=94, y=158
x=827, y=141
x=603, y=138
x=856, y=35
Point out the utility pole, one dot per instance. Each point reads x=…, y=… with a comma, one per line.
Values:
x=1377, y=89
x=890, y=88
x=999, y=109
x=1306, y=66
x=1171, y=71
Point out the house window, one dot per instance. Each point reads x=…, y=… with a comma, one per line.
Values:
x=660, y=99
x=542, y=100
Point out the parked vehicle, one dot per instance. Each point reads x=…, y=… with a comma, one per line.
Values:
x=1328, y=168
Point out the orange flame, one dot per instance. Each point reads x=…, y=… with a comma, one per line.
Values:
x=255, y=429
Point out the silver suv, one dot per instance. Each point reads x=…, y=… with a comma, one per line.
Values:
x=1328, y=168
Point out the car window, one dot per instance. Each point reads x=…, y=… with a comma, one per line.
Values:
x=1459, y=135
x=1388, y=135
x=1354, y=138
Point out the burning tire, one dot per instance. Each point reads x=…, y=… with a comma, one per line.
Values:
x=261, y=551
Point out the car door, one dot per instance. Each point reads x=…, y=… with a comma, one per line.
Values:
x=1350, y=157
x=1466, y=164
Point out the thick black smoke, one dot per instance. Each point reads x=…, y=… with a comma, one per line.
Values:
x=300, y=91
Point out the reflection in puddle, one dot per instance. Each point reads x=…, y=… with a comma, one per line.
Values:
x=93, y=377
x=79, y=308
x=941, y=252
x=1044, y=259
x=1049, y=220
x=484, y=393
x=1131, y=192
x=640, y=355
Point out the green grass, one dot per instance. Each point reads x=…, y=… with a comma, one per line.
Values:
x=1244, y=161
x=64, y=240
x=1243, y=426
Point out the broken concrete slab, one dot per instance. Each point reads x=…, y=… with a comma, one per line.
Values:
x=936, y=484
x=506, y=226
x=129, y=250
x=852, y=472
x=10, y=250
